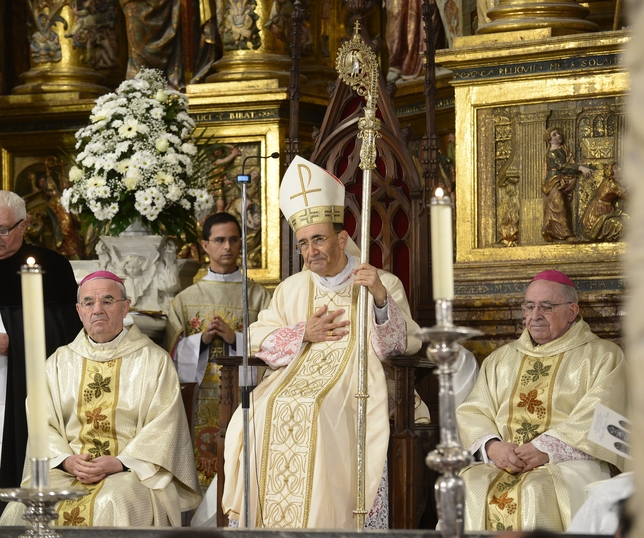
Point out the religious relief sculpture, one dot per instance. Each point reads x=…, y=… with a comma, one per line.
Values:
x=239, y=29
x=153, y=29
x=558, y=185
x=50, y=226
x=280, y=20
x=44, y=43
x=148, y=266
x=603, y=219
x=93, y=30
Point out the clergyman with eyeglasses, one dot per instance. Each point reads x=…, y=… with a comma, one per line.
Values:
x=61, y=326
x=204, y=323
x=527, y=418
x=117, y=425
x=304, y=414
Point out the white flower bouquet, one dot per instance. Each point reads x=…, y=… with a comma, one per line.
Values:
x=138, y=159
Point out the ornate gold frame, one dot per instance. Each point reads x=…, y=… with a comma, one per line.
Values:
x=267, y=136
x=478, y=93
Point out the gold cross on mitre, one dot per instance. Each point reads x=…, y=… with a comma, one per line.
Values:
x=304, y=192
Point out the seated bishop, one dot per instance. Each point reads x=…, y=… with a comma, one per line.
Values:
x=303, y=433
x=117, y=425
x=528, y=416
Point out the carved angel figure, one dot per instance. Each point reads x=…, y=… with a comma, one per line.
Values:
x=603, y=220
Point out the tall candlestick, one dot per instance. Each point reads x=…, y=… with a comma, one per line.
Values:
x=33, y=315
x=442, y=250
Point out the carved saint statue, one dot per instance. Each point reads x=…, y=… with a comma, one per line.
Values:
x=603, y=220
x=558, y=186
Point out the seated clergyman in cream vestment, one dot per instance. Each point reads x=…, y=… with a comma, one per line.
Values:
x=530, y=412
x=115, y=409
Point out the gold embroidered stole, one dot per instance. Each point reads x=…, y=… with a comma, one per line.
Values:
x=96, y=412
x=206, y=416
x=290, y=435
x=529, y=416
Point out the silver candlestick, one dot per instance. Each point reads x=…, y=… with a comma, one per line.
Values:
x=449, y=457
x=40, y=500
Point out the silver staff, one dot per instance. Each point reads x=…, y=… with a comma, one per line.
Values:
x=357, y=66
x=244, y=180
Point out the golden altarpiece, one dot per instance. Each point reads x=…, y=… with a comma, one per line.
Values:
x=496, y=95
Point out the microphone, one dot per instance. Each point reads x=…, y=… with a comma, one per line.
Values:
x=245, y=178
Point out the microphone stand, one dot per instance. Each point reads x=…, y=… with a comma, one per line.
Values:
x=244, y=180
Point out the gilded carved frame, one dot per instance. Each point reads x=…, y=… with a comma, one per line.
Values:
x=477, y=173
x=256, y=140
x=19, y=151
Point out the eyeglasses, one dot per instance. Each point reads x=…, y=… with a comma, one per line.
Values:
x=106, y=303
x=546, y=307
x=6, y=231
x=220, y=241
x=316, y=242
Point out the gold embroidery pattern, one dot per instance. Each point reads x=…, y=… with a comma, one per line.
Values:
x=206, y=419
x=504, y=503
x=98, y=395
x=530, y=410
x=530, y=414
x=290, y=438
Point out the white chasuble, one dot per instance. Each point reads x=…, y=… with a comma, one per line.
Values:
x=122, y=401
x=303, y=417
x=525, y=392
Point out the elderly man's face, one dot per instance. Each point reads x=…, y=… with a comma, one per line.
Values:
x=10, y=244
x=328, y=259
x=542, y=327
x=102, y=309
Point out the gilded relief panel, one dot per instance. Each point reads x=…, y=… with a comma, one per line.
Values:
x=551, y=173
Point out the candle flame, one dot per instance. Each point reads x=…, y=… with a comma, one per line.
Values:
x=31, y=261
x=438, y=193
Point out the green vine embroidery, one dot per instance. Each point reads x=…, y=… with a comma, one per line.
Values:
x=538, y=370
x=100, y=385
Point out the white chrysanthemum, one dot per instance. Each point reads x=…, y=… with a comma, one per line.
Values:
x=185, y=204
x=122, y=166
x=156, y=113
x=103, y=192
x=98, y=115
x=91, y=193
x=144, y=160
x=75, y=174
x=165, y=178
x=122, y=147
x=189, y=148
x=174, y=193
x=170, y=158
x=88, y=161
x=95, y=181
x=131, y=127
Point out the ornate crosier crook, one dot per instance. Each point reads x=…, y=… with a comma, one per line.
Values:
x=357, y=66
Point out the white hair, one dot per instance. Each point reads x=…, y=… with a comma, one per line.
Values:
x=16, y=203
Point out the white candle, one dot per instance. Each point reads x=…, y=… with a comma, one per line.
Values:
x=33, y=315
x=442, y=250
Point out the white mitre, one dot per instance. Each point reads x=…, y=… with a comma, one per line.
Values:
x=310, y=195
